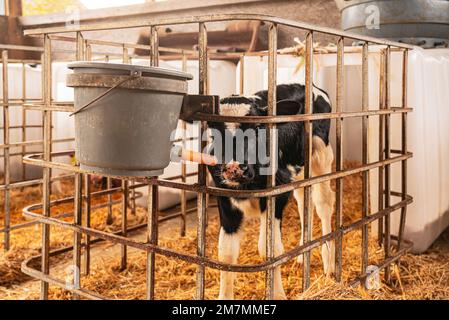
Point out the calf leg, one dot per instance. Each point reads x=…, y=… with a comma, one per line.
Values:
x=279, y=293
x=299, y=196
x=324, y=198
x=228, y=252
x=280, y=203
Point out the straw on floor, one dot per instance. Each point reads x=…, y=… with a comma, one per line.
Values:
x=423, y=276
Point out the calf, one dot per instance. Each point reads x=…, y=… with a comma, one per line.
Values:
x=244, y=175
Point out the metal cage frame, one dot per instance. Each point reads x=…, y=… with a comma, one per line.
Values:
x=394, y=246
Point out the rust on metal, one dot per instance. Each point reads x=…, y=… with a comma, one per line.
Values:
x=365, y=155
x=272, y=153
x=308, y=110
x=339, y=158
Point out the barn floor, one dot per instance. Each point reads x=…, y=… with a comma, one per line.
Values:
x=423, y=276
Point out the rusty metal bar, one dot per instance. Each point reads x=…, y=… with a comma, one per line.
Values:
x=109, y=219
x=20, y=126
x=404, y=145
x=70, y=214
x=272, y=153
x=387, y=156
x=78, y=198
x=19, y=47
x=31, y=143
x=183, y=164
x=380, y=191
x=210, y=263
x=153, y=192
x=153, y=206
x=274, y=191
x=184, y=180
x=365, y=155
x=299, y=117
x=6, y=152
x=125, y=193
x=80, y=46
x=124, y=250
x=154, y=54
x=339, y=158
x=202, y=179
x=77, y=241
x=88, y=51
x=133, y=197
x=24, y=119
x=87, y=217
x=46, y=185
x=125, y=55
x=87, y=187
x=308, y=109
x=121, y=44
x=242, y=74
x=93, y=296
x=256, y=119
x=215, y=18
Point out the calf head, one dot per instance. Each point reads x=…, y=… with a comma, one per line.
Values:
x=241, y=147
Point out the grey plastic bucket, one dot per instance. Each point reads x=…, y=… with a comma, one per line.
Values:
x=126, y=130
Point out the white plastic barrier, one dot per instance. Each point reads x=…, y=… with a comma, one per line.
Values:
x=63, y=125
x=428, y=139
x=33, y=91
x=428, y=89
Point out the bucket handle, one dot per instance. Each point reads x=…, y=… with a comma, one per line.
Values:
x=134, y=75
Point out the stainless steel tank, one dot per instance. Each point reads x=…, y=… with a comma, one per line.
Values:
x=418, y=22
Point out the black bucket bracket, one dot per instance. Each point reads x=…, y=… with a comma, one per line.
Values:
x=193, y=104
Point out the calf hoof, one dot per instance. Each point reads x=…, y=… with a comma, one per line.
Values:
x=329, y=271
x=280, y=295
x=225, y=297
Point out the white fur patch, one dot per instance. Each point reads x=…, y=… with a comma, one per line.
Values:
x=228, y=252
x=231, y=183
x=295, y=175
x=234, y=110
x=249, y=207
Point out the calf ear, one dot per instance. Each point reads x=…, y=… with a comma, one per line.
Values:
x=288, y=107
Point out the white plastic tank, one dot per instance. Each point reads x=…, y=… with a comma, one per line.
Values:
x=428, y=132
x=33, y=118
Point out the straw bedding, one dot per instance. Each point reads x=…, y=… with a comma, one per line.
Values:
x=424, y=276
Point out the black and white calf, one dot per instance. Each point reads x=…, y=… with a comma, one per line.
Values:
x=247, y=176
